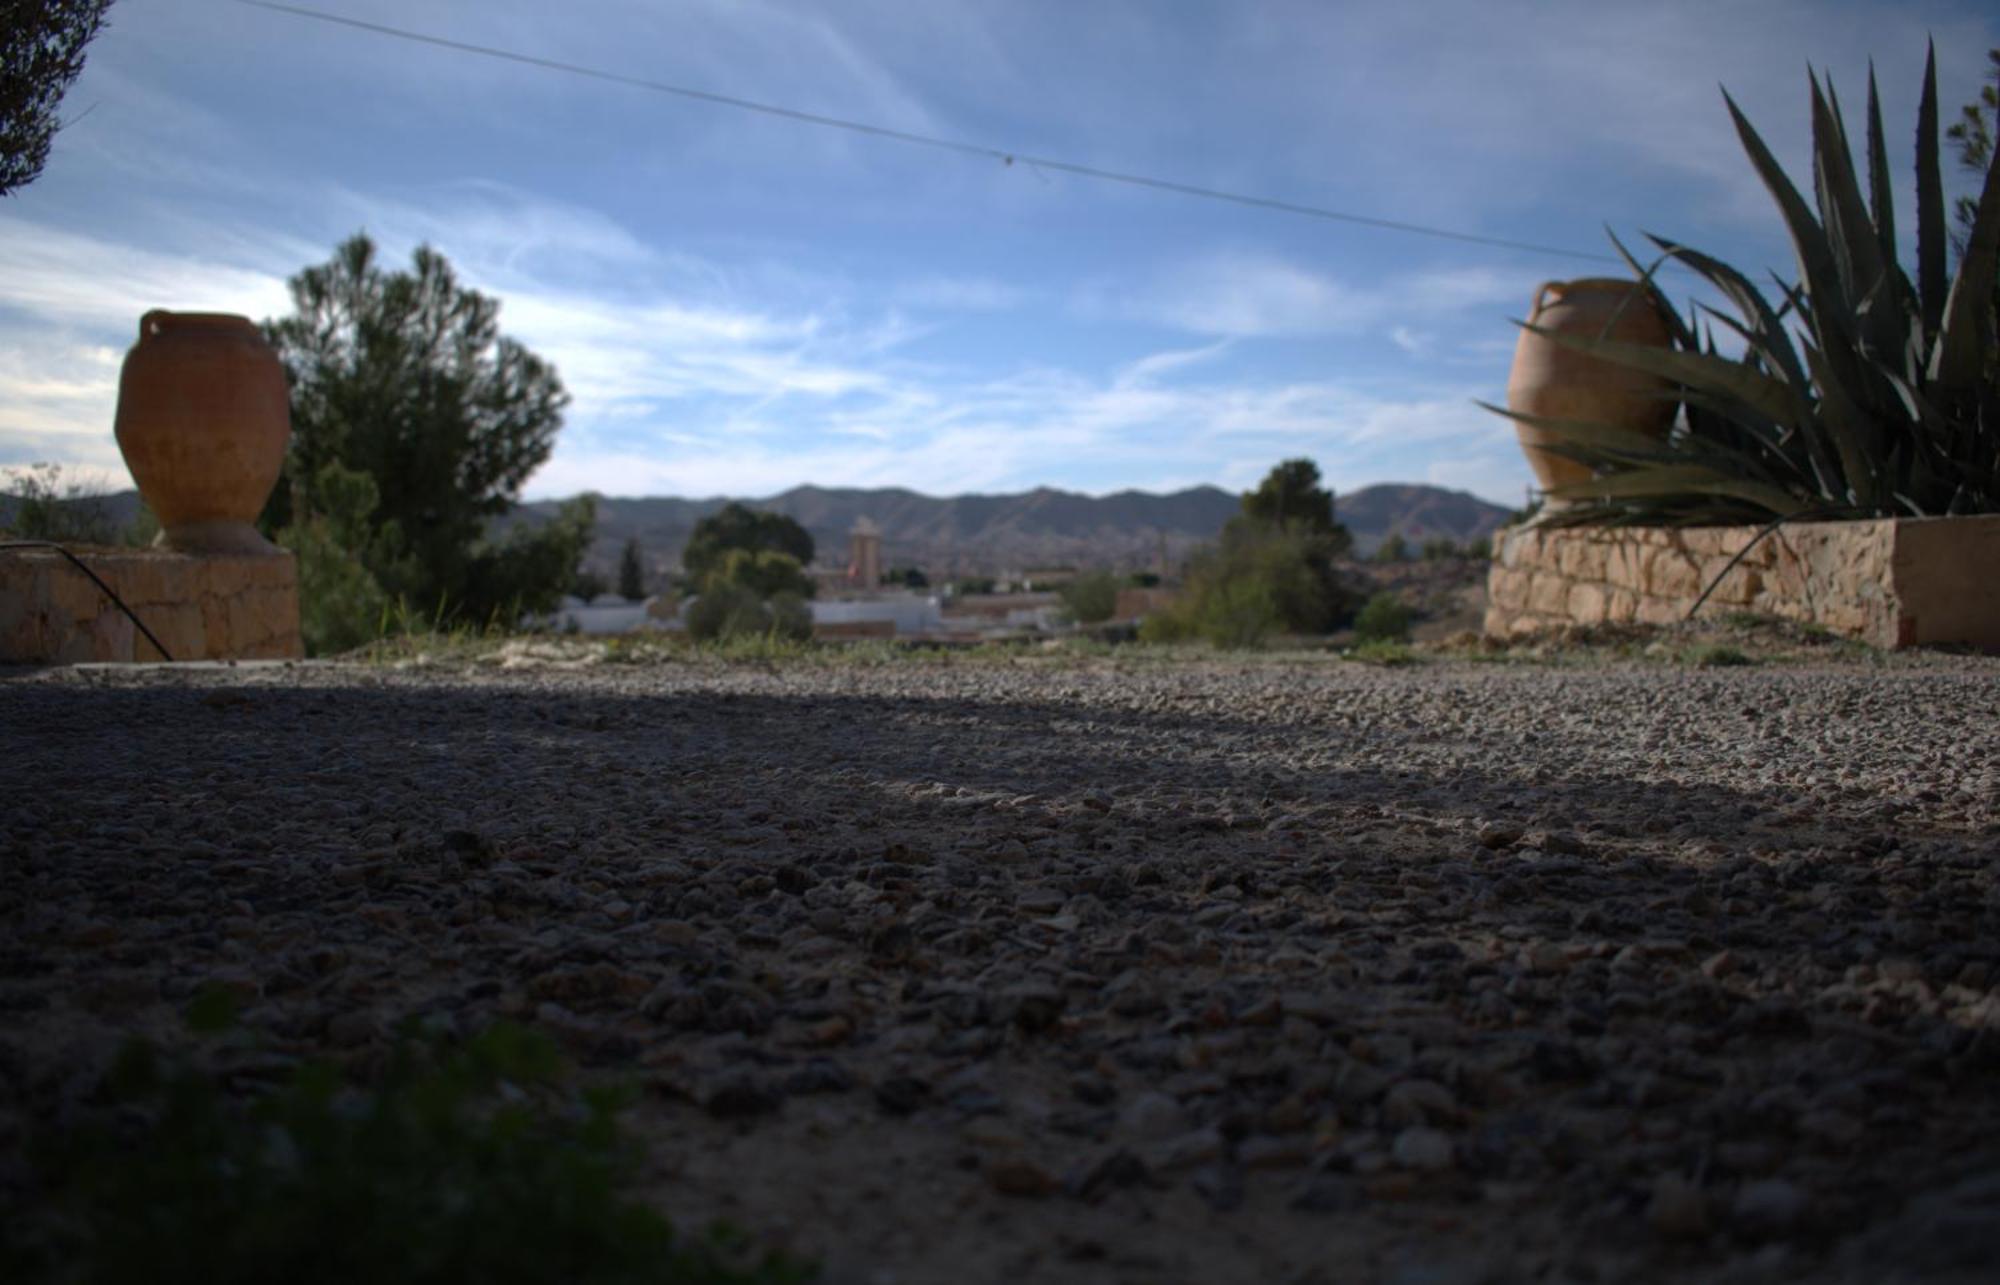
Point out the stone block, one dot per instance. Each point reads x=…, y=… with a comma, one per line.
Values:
x=1586, y=604
x=1893, y=582
x=1946, y=576
x=1508, y=589
x=1676, y=575
x=1658, y=611
x=1548, y=594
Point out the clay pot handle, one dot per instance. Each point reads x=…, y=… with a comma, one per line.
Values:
x=1540, y=291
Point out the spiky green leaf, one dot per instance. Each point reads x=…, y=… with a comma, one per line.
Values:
x=1771, y=397
x=1696, y=480
x=1930, y=203
x=1881, y=202
x=1965, y=338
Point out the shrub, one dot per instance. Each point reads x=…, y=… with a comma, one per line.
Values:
x=341, y=604
x=1386, y=654
x=1383, y=619
x=39, y=504
x=791, y=617
x=1091, y=598
x=470, y=1163
x=764, y=572
x=1394, y=548
x=727, y=611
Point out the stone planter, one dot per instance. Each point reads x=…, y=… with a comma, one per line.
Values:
x=203, y=418
x=1892, y=582
x=1555, y=382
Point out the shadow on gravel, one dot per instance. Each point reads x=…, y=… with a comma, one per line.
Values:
x=1795, y=992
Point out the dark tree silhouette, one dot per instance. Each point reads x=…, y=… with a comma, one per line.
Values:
x=405, y=378
x=736, y=526
x=41, y=54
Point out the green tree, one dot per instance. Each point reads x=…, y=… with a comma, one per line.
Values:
x=632, y=571
x=1092, y=597
x=737, y=526
x=405, y=378
x=1438, y=548
x=341, y=604
x=764, y=572
x=1290, y=498
x=1394, y=548
x=1973, y=132
x=41, y=55
x=1273, y=570
x=1383, y=619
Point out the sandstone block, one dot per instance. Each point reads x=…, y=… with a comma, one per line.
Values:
x=1548, y=594
x=1658, y=611
x=1674, y=575
x=1586, y=604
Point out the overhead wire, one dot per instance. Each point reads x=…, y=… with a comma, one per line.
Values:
x=980, y=150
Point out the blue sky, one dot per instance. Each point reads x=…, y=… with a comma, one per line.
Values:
x=740, y=304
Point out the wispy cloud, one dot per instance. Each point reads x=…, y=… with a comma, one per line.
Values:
x=1259, y=295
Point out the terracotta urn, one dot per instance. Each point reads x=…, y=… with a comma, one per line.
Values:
x=203, y=418
x=1562, y=383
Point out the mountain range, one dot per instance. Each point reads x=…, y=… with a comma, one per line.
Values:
x=989, y=534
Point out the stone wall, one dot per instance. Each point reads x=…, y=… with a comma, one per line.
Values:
x=200, y=608
x=1892, y=582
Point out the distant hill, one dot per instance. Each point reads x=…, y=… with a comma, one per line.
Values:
x=1417, y=513
x=952, y=535
x=985, y=534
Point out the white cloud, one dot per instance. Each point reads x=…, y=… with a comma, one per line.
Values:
x=1260, y=295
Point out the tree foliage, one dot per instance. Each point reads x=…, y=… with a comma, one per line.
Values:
x=41, y=55
x=764, y=572
x=403, y=377
x=39, y=503
x=1973, y=134
x=341, y=604
x=1272, y=572
x=737, y=526
x=1091, y=598
x=1290, y=498
x=1384, y=618
x=632, y=571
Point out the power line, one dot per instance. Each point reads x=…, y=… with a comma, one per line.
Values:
x=980, y=150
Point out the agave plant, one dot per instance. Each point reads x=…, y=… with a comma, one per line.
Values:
x=1860, y=393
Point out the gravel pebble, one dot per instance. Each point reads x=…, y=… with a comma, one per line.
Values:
x=1489, y=945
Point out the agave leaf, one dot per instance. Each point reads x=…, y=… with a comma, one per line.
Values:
x=1773, y=341
x=1966, y=335
x=1595, y=438
x=1683, y=336
x=1771, y=397
x=1881, y=202
x=1673, y=480
x=1857, y=250
x=1930, y=202
x=1856, y=438
x=1817, y=268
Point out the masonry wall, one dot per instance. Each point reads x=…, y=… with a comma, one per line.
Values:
x=1892, y=582
x=200, y=608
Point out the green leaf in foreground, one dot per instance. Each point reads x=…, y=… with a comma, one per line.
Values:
x=466, y=1163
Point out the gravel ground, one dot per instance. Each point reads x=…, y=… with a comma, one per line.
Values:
x=1054, y=972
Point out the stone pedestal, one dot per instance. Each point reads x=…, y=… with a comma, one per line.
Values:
x=201, y=607
x=1892, y=582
